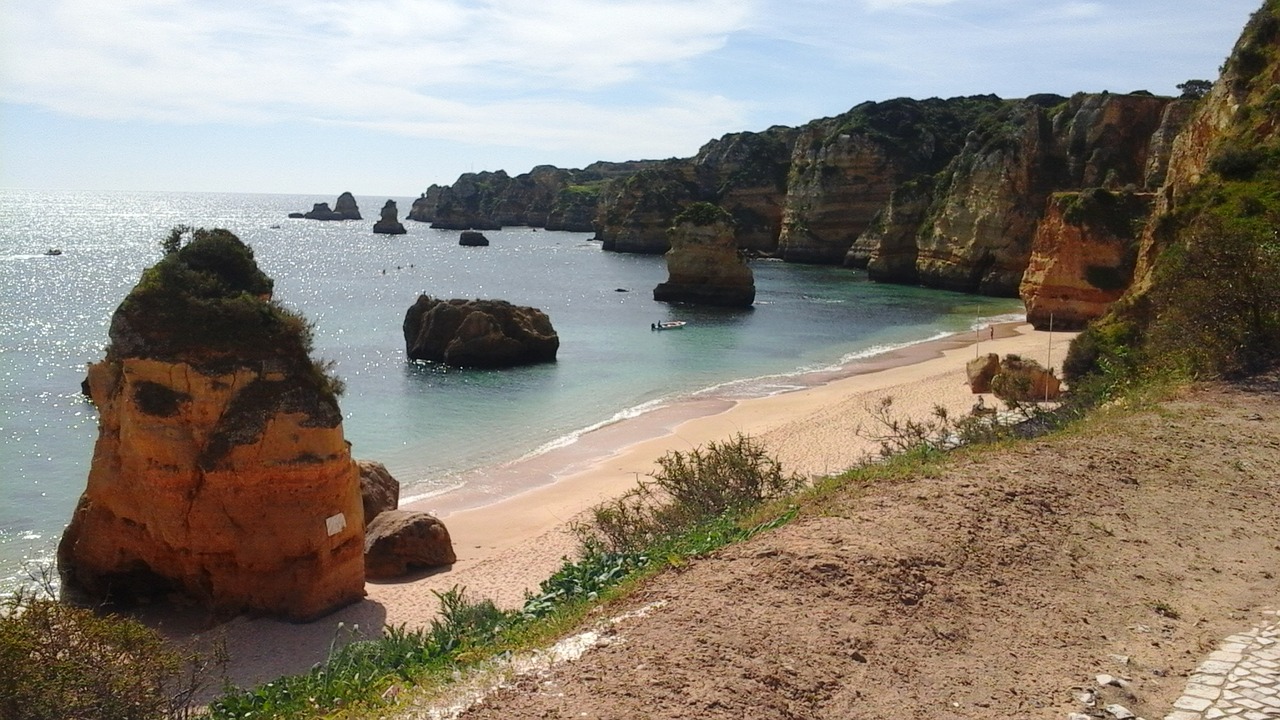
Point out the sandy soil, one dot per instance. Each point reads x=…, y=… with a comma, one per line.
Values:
x=996, y=588
x=506, y=548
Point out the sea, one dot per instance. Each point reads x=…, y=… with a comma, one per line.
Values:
x=438, y=429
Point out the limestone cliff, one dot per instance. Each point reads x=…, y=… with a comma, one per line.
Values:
x=470, y=202
x=746, y=174
x=994, y=193
x=1241, y=105
x=220, y=470
x=945, y=193
x=1204, y=298
x=635, y=217
x=546, y=196
x=1083, y=256
x=845, y=169
x=704, y=264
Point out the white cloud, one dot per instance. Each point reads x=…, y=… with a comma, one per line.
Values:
x=211, y=61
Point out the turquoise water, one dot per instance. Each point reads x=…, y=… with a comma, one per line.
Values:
x=433, y=426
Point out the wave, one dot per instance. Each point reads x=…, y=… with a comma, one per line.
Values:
x=801, y=378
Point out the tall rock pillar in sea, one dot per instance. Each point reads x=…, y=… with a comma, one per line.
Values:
x=220, y=471
x=703, y=264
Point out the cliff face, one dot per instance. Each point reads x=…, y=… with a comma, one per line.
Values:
x=1243, y=90
x=944, y=193
x=1083, y=256
x=836, y=186
x=1204, y=298
x=220, y=471
x=746, y=174
x=546, y=196
x=635, y=217
x=844, y=170
x=993, y=197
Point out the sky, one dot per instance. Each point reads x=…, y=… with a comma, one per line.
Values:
x=390, y=96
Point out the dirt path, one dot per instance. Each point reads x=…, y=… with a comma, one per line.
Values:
x=998, y=589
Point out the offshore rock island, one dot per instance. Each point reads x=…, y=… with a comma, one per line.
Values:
x=220, y=471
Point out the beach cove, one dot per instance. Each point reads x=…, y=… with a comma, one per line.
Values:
x=505, y=548
x=438, y=429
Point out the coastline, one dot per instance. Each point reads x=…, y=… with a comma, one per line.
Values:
x=507, y=546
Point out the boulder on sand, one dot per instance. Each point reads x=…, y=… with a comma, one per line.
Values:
x=399, y=542
x=379, y=491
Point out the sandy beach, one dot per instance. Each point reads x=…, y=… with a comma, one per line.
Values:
x=507, y=547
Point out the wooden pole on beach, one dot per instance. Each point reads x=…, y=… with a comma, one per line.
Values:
x=1049, y=358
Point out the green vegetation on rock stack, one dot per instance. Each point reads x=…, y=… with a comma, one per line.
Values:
x=702, y=214
x=208, y=304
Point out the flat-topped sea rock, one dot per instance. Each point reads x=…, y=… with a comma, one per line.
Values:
x=473, y=238
x=478, y=333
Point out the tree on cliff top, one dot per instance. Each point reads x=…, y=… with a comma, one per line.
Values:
x=1195, y=89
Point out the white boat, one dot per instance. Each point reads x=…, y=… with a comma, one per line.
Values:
x=668, y=325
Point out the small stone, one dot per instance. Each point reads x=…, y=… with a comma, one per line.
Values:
x=1194, y=704
x=1122, y=659
x=1205, y=679
x=1078, y=716
x=1119, y=712
x=1202, y=691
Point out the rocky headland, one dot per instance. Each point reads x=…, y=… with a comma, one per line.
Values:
x=220, y=471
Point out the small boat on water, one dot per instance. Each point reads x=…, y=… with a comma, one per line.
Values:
x=668, y=325
x=53, y=251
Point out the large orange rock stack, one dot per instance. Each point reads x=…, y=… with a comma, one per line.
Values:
x=220, y=471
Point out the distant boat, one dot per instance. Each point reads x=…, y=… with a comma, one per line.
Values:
x=53, y=251
x=668, y=325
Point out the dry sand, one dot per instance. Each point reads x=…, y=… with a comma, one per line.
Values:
x=507, y=547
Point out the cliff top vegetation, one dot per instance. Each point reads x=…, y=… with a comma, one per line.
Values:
x=207, y=303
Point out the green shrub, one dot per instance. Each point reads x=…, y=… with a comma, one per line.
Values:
x=357, y=672
x=690, y=488
x=703, y=213
x=58, y=661
x=1219, y=300
x=1235, y=162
